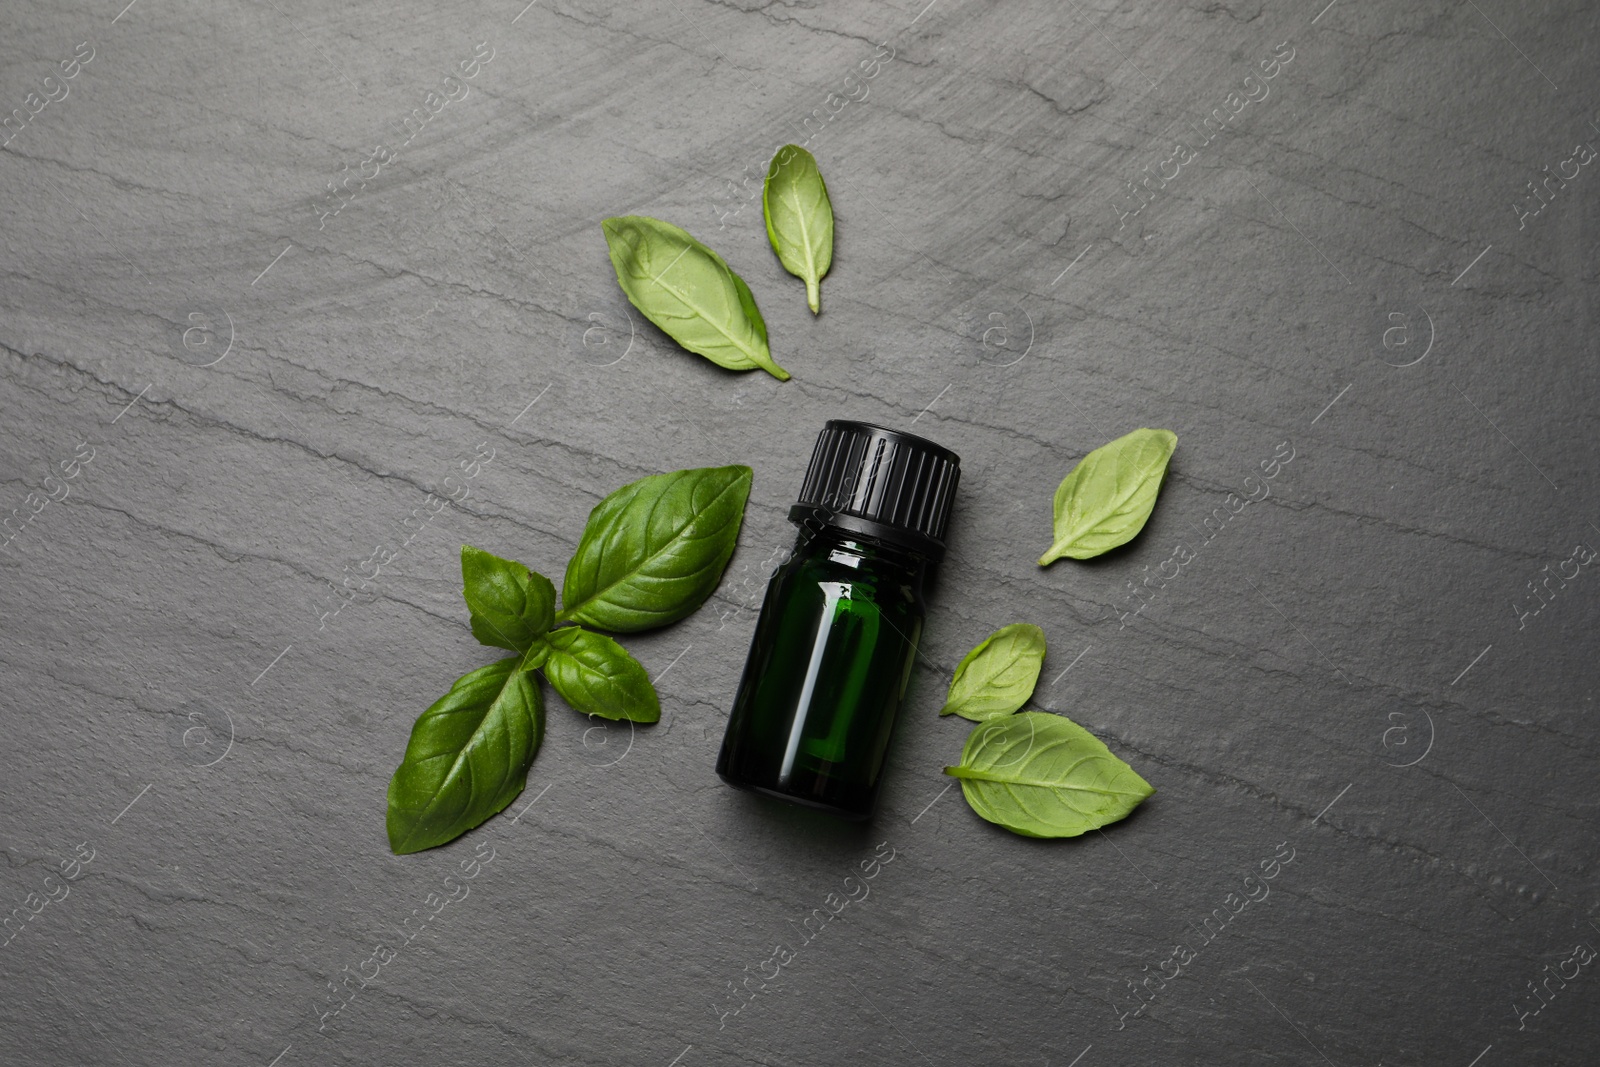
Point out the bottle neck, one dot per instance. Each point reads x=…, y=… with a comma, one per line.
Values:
x=810, y=517
x=821, y=540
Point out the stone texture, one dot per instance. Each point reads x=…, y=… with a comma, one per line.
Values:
x=175, y=703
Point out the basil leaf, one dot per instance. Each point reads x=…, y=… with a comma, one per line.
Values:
x=654, y=550
x=597, y=676
x=799, y=218
x=1107, y=497
x=1042, y=775
x=468, y=756
x=998, y=676
x=511, y=606
x=686, y=289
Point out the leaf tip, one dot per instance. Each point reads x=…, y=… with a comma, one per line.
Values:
x=398, y=835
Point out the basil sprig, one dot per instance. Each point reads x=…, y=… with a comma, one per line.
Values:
x=799, y=217
x=1105, y=500
x=686, y=289
x=1034, y=773
x=651, y=553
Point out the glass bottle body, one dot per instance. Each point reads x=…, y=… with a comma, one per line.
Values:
x=828, y=666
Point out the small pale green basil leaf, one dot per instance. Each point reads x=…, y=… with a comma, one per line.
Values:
x=654, y=550
x=799, y=218
x=511, y=606
x=1043, y=775
x=597, y=676
x=1107, y=497
x=998, y=676
x=468, y=756
x=686, y=289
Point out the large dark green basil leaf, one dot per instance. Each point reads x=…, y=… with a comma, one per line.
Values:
x=1043, y=775
x=597, y=676
x=1107, y=497
x=799, y=218
x=655, y=549
x=998, y=676
x=511, y=606
x=686, y=289
x=468, y=756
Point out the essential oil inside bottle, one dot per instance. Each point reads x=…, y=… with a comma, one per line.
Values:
x=838, y=632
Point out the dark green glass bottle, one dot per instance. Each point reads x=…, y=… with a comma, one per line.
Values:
x=838, y=632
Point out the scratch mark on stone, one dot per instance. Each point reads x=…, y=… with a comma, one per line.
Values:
x=1331, y=803
x=273, y=664
x=532, y=402
x=274, y=262
x=131, y=803
x=1332, y=402
x=932, y=802
x=932, y=402
x=1474, y=263
x=1513, y=44
x=1071, y=665
x=1074, y=263
x=1473, y=664
x=530, y=804
x=1508, y=840
x=1509, y=441
x=132, y=402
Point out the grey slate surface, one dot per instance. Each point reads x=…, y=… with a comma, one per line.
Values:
x=1341, y=668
